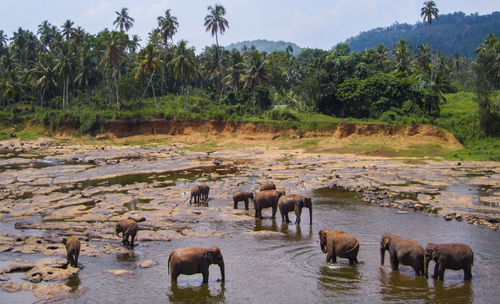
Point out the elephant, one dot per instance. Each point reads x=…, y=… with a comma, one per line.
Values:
x=267, y=186
x=405, y=251
x=266, y=199
x=338, y=244
x=449, y=256
x=294, y=202
x=196, y=194
x=72, y=250
x=191, y=260
x=128, y=228
x=204, y=190
x=242, y=196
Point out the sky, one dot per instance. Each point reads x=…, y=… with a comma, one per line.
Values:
x=312, y=23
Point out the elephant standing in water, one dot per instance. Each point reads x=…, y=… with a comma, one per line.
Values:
x=128, y=228
x=405, y=251
x=338, y=244
x=294, y=202
x=192, y=260
x=204, y=190
x=72, y=250
x=267, y=199
x=449, y=256
x=242, y=196
x=196, y=194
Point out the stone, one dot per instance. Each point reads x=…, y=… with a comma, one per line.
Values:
x=118, y=272
x=146, y=263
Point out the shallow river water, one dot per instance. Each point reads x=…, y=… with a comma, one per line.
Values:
x=289, y=267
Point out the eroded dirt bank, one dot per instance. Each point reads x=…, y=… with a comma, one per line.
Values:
x=49, y=190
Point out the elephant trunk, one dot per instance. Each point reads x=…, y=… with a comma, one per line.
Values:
x=426, y=266
x=310, y=215
x=222, y=272
x=323, y=247
x=382, y=255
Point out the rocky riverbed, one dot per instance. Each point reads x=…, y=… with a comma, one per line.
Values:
x=49, y=190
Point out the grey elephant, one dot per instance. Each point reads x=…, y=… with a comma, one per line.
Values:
x=267, y=199
x=338, y=244
x=454, y=256
x=204, y=190
x=244, y=196
x=192, y=260
x=196, y=194
x=267, y=186
x=405, y=251
x=294, y=202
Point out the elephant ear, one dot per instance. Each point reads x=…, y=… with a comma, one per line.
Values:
x=434, y=253
x=209, y=257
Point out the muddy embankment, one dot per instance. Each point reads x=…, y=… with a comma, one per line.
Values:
x=262, y=131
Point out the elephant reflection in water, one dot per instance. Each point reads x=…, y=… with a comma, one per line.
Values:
x=460, y=292
x=259, y=226
x=402, y=287
x=298, y=231
x=198, y=294
x=339, y=280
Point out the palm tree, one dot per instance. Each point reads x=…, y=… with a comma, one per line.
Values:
x=3, y=40
x=64, y=68
x=123, y=20
x=257, y=72
x=428, y=11
x=167, y=28
x=149, y=62
x=10, y=85
x=133, y=44
x=88, y=75
x=114, y=53
x=402, y=55
x=236, y=70
x=422, y=57
x=43, y=75
x=68, y=30
x=183, y=65
x=215, y=21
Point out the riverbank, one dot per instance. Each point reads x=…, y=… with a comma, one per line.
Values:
x=50, y=189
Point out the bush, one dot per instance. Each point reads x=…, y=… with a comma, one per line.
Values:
x=282, y=115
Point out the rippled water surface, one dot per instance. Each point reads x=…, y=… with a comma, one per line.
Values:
x=290, y=267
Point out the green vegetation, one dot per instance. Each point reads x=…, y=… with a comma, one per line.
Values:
x=263, y=45
x=65, y=78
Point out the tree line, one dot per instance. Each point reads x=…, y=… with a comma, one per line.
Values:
x=66, y=67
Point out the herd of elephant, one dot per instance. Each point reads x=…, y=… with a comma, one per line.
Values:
x=191, y=260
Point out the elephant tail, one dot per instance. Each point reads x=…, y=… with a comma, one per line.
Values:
x=352, y=249
x=168, y=264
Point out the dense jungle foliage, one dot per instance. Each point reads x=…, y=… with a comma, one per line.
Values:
x=64, y=74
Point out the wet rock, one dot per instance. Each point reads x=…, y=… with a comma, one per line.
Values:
x=4, y=278
x=418, y=207
x=16, y=287
x=53, y=291
x=49, y=274
x=119, y=272
x=146, y=263
x=450, y=216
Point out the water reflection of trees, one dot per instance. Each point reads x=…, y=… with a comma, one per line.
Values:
x=198, y=294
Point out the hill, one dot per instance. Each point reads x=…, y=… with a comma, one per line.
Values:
x=268, y=46
x=451, y=33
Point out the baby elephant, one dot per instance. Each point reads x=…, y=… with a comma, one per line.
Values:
x=338, y=244
x=196, y=194
x=294, y=202
x=192, y=260
x=240, y=195
x=128, y=228
x=407, y=252
x=204, y=190
x=72, y=250
x=449, y=256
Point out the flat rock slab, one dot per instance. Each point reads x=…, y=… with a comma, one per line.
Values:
x=119, y=272
x=146, y=263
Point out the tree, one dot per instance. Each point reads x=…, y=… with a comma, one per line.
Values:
x=123, y=20
x=167, y=28
x=402, y=55
x=64, y=68
x=68, y=30
x=236, y=70
x=215, y=21
x=183, y=65
x=113, y=55
x=43, y=75
x=257, y=72
x=149, y=61
x=428, y=11
x=88, y=75
x=3, y=41
x=422, y=57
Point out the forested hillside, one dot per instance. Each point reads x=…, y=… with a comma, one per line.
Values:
x=267, y=46
x=451, y=33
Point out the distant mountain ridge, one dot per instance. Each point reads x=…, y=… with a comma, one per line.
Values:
x=263, y=45
x=451, y=33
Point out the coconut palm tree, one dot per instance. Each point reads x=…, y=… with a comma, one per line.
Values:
x=235, y=71
x=3, y=41
x=64, y=68
x=428, y=11
x=43, y=75
x=167, y=25
x=257, y=72
x=88, y=75
x=183, y=65
x=149, y=61
x=113, y=55
x=68, y=30
x=402, y=54
x=123, y=20
x=422, y=57
x=215, y=21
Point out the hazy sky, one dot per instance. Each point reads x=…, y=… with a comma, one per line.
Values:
x=312, y=23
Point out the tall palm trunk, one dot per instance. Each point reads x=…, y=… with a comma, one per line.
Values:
x=42, y=93
x=153, y=89
x=432, y=57
x=87, y=91
x=67, y=90
x=64, y=93
x=117, y=92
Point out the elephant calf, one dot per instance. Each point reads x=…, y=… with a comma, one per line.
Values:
x=128, y=228
x=240, y=195
x=192, y=260
x=267, y=199
x=338, y=244
x=72, y=250
x=204, y=190
x=407, y=252
x=449, y=256
x=294, y=202
x=196, y=194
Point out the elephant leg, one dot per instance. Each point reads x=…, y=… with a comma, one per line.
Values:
x=441, y=272
x=205, y=275
x=287, y=218
x=256, y=212
x=297, y=216
x=394, y=262
x=235, y=204
x=132, y=237
x=467, y=273
x=274, y=212
x=173, y=277
x=246, y=204
x=436, y=271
